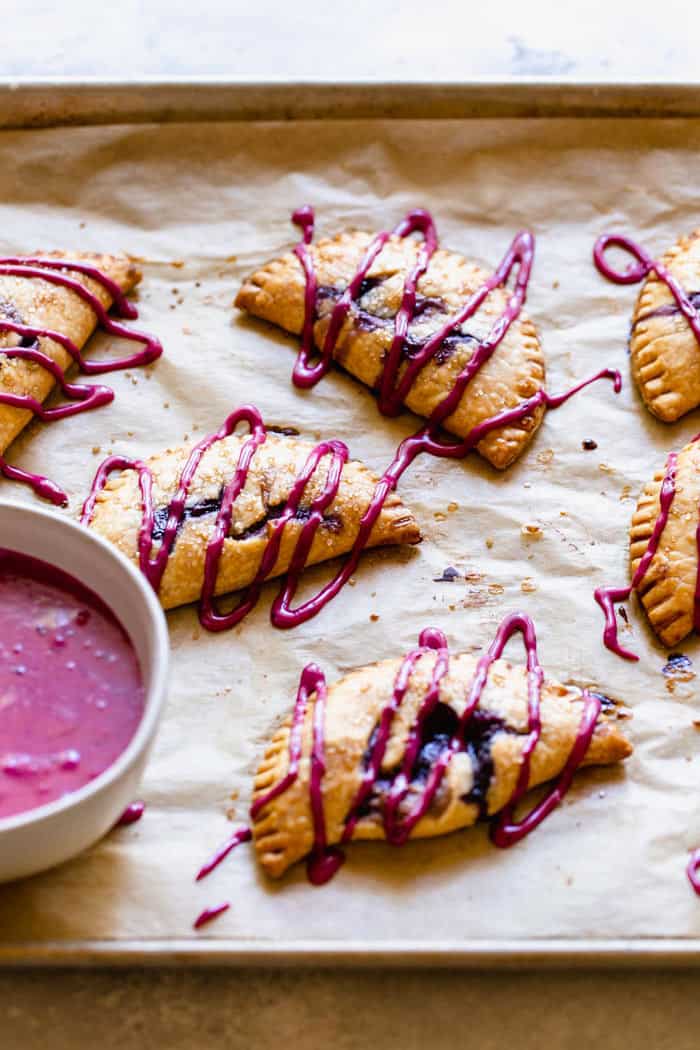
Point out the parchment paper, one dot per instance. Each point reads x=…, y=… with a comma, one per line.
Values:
x=202, y=206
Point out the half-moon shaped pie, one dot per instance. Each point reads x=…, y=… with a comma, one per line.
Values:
x=274, y=468
x=667, y=589
x=665, y=353
x=36, y=302
x=515, y=371
x=479, y=782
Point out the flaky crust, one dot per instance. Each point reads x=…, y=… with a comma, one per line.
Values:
x=665, y=354
x=283, y=829
x=667, y=591
x=35, y=302
x=515, y=371
x=275, y=466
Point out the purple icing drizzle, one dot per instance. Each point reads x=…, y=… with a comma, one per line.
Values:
x=640, y=269
x=220, y=854
x=209, y=914
x=133, y=813
x=693, y=871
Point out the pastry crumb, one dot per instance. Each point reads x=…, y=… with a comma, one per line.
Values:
x=531, y=531
x=496, y=588
x=528, y=585
x=374, y=617
x=606, y=468
x=546, y=456
x=452, y=507
x=589, y=445
x=96, y=450
x=489, y=542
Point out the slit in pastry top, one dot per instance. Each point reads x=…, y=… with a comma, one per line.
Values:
x=664, y=554
x=665, y=331
x=49, y=307
x=422, y=746
x=237, y=509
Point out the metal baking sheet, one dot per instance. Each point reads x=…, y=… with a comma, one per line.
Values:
x=50, y=104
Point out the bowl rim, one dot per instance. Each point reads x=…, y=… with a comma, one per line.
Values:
x=155, y=697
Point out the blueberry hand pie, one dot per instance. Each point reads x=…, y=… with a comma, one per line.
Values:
x=414, y=323
x=236, y=509
x=665, y=331
x=36, y=296
x=422, y=746
x=664, y=546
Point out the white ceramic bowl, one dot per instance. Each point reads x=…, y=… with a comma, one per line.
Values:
x=51, y=834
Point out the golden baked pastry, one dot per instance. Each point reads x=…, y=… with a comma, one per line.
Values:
x=273, y=472
x=664, y=348
x=29, y=299
x=668, y=533
x=513, y=373
x=367, y=765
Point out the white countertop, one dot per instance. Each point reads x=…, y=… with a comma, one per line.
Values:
x=395, y=40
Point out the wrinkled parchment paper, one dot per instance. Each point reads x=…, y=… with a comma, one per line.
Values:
x=204, y=205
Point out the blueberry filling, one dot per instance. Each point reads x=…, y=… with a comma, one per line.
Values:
x=9, y=312
x=196, y=510
x=669, y=309
x=425, y=305
x=437, y=731
x=606, y=703
x=483, y=727
x=449, y=575
x=678, y=663
x=285, y=431
x=332, y=522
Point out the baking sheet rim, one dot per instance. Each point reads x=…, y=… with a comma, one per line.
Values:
x=513, y=954
x=54, y=101
x=51, y=102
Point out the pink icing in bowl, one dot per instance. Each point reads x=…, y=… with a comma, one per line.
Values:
x=83, y=675
x=71, y=692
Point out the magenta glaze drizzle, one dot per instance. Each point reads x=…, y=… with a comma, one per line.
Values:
x=238, y=837
x=133, y=813
x=693, y=870
x=641, y=268
x=505, y=831
x=81, y=398
x=210, y=913
x=392, y=393
x=607, y=596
